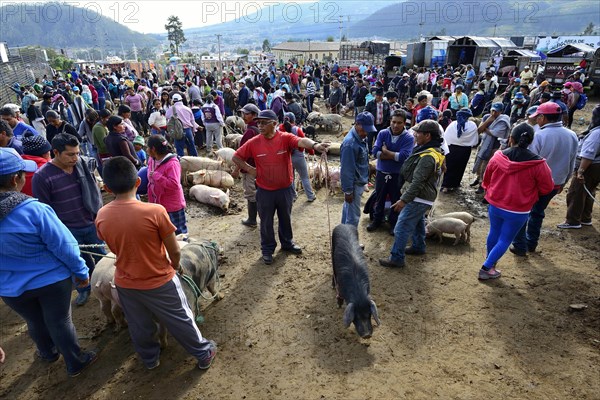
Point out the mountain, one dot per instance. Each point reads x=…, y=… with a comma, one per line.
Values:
x=63, y=26
x=292, y=21
x=408, y=20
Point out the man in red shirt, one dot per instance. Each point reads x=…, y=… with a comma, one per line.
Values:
x=271, y=152
x=295, y=81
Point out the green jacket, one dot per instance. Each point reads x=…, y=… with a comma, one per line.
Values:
x=421, y=172
x=99, y=132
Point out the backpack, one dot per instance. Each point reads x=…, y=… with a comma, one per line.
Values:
x=175, y=127
x=581, y=102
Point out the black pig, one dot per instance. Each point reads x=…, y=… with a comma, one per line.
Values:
x=351, y=280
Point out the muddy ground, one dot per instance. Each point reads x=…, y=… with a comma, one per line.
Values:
x=443, y=335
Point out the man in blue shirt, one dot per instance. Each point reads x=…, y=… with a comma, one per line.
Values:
x=354, y=168
x=469, y=79
x=18, y=127
x=392, y=148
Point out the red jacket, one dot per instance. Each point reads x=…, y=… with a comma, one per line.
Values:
x=29, y=175
x=516, y=185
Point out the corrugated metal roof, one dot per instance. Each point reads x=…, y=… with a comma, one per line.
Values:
x=571, y=49
x=446, y=38
x=308, y=46
x=525, y=53
x=504, y=43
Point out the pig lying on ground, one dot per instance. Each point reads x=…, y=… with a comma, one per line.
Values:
x=334, y=149
x=211, y=196
x=440, y=226
x=217, y=179
x=233, y=140
x=351, y=280
x=191, y=164
x=199, y=261
x=464, y=217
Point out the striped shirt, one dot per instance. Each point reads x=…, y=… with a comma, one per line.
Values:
x=311, y=89
x=62, y=192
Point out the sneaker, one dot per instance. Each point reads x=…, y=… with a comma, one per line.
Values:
x=153, y=366
x=207, y=362
x=92, y=357
x=373, y=226
x=566, y=225
x=82, y=298
x=294, y=249
x=389, y=263
x=267, y=259
x=587, y=223
x=474, y=183
x=493, y=273
x=517, y=252
x=311, y=199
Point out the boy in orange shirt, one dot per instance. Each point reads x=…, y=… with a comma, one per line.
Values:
x=146, y=280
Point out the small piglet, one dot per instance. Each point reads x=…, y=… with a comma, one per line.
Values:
x=440, y=226
x=464, y=217
x=351, y=280
x=225, y=154
x=211, y=196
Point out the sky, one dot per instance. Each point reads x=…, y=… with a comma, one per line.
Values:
x=150, y=16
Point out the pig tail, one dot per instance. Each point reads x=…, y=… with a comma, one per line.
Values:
x=160, y=145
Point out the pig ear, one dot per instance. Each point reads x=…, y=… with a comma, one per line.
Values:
x=374, y=313
x=349, y=314
x=214, y=196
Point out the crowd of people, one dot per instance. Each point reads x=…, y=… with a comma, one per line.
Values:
x=420, y=125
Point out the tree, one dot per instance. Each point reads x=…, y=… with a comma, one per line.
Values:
x=175, y=33
x=266, y=46
x=589, y=29
x=239, y=50
x=330, y=39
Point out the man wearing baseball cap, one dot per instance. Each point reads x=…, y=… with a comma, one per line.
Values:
x=271, y=151
x=186, y=116
x=558, y=146
x=420, y=172
x=354, y=166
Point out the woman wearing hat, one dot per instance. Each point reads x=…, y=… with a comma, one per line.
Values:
x=518, y=108
x=38, y=265
x=117, y=143
x=514, y=180
x=461, y=136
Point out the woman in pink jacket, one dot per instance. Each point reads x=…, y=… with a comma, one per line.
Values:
x=164, y=181
x=514, y=180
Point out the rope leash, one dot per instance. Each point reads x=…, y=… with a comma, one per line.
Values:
x=590, y=194
x=324, y=160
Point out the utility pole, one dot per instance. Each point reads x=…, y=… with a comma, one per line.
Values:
x=495, y=30
x=340, y=49
x=135, y=54
x=348, y=27
x=219, y=47
x=309, y=50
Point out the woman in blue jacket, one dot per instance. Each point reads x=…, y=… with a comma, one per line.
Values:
x=39, y=257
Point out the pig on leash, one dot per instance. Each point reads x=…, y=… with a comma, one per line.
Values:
x=440, y=226
x=351, y=280
x=199, y=265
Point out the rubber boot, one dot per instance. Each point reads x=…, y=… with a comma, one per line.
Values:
x=251, y=221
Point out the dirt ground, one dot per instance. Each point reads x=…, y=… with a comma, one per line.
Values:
x=444, y=334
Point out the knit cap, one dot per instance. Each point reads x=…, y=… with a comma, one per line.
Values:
x=35, y=145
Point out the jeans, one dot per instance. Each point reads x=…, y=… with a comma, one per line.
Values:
x=351, y=211
x=410, y=221
x=186, y=141
x=386, y=184
x=504, y=226
x=529, y=235
x=268, y=202
x=87, y=149
x=299, y=164
x=47, y=311
x=101, y=103
x=296, y=88
x=318, y=83
x=309, y=102
x=88, y=235
x=161, y=131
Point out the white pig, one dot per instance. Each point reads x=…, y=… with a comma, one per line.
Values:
x=226, y=154
x=233, y=140
x=447, y=225
x=464, y=217
x=211, y=196
x=217, y=179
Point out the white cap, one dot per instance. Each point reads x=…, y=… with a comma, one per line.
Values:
x=177, y=97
